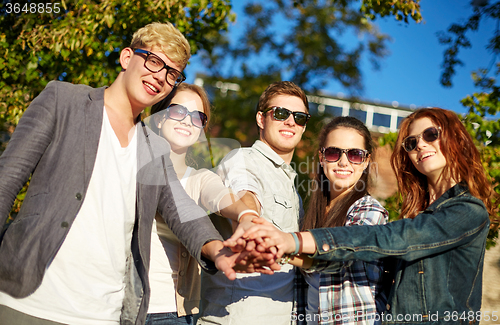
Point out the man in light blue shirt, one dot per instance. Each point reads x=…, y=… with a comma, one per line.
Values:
x=263, y=171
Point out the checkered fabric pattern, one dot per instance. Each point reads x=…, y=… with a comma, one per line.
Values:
x=348, y=289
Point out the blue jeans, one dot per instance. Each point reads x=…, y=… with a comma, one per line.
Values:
x=168, y=319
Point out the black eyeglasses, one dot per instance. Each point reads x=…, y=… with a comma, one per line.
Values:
x=155, y=64
x=179, y=112
x=333, y=154
x=281, y=114
x=429, y=135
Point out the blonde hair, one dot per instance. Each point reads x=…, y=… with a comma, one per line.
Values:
x=167, y=38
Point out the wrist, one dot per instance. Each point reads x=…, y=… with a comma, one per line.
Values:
x=247, y=217
x=298, y=243
x=212, y=249
x=247, y=212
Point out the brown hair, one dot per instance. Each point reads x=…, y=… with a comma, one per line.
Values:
x=462, y=157
x=167, y=38
x=280, y=88
x=317, y=215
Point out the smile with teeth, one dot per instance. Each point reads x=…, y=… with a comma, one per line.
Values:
x=153, y=88
x=343, y=172
x=427, y=154
x=287, y=133
x=184, y=132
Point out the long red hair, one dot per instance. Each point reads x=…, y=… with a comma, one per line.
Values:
x=462, y=157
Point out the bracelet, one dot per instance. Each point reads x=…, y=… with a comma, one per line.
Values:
x=297, y=244
x=247, y=211
x=301, y=242
x=284, y=259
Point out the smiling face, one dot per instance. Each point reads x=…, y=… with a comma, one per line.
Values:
x=427, y=158
x=182, y=134
x=342, y=174
x=282, y=136
x=144, y=88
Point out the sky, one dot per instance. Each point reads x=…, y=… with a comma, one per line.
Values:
x=410, y=74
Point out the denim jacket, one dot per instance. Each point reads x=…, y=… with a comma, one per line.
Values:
x=436, y=259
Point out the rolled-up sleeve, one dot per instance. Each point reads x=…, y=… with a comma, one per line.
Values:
x=237, y=172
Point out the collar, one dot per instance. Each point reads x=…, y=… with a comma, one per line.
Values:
x=270, y=154
x=456, y=190
x=97, y=93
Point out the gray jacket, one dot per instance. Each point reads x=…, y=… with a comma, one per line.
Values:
x=56, y=143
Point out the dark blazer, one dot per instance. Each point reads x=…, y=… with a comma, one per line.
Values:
x=56, y=143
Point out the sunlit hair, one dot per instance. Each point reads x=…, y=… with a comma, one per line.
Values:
x=317, y=215
x=463, y=162
x=166, y=38
x=281, y=88
x=163, y=104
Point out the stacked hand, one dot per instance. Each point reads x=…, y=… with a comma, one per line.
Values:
x=259, y=245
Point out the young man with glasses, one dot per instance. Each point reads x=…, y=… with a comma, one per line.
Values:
x=264, y=171
x=78, y=251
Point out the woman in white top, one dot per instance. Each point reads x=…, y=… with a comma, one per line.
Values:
x=174, y=275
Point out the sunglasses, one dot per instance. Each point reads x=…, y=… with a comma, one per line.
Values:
x=333, y=154
x=178, y=112
x=281, y=114
x=155, y=64
x=429, y=135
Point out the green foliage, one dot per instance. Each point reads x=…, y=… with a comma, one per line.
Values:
x=400, y=9
x=306, y=41
x=389, y=138
x=81, y=43
x=483, y=107
x=457, y=38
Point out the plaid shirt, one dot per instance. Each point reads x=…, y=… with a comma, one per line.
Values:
x=350, y=292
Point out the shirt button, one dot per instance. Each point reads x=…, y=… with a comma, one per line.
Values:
x=184, y=254
x=326, y=247
x=180, y=291
x=78, y=196
x=64, y=224
x=181, y=273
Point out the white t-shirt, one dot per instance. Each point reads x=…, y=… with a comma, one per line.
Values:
x=84, y=284
x=163, y=268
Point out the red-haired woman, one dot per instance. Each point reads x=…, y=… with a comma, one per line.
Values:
x=437, y=249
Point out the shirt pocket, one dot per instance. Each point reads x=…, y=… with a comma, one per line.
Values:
x=282, y=201
x=283, y=216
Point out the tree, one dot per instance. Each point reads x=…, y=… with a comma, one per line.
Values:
x=305, y=41
x=79, y=42
x=305, y=38
x=482, y=118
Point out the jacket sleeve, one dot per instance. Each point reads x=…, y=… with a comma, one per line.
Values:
x=455, y=222
x=360, y=214
x=28, y=143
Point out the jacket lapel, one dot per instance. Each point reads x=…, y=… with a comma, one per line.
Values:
x=93, y=124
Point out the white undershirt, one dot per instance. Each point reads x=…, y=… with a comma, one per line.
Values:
x=84, y=284
x=164, y=265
